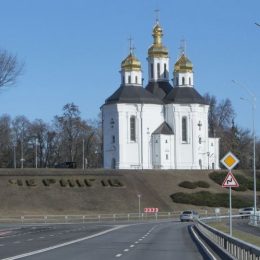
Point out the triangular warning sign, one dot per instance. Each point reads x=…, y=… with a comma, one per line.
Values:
x=230, y=181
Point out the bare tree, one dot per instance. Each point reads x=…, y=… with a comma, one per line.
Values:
x=10, y=68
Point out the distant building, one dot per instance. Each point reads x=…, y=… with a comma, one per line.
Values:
x=160, y=126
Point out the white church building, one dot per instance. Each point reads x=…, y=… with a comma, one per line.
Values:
x=159, y=126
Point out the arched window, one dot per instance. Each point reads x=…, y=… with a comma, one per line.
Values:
x=152, y=70
x=189, y=81
x=123, y=79
x=177, y=81
x=183, y=81
x=184, y=129
x=129, y=79
x=165, y=71
x=113, y=163
x=200, y=163
x=158, y=70
x=136, y=80
x=132, y=128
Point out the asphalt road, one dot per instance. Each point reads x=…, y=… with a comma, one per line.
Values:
x=153, y=241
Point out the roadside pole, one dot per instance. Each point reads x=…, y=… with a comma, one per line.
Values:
x=230, y=161
x=230, y=211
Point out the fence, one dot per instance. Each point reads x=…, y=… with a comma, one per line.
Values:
x=44, y=219
x=226, y=245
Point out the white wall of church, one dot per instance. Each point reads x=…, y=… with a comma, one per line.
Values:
x=190, y=152
x=110, y=135
x=132, y=154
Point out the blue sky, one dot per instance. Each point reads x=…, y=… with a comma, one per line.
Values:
x=72, y=50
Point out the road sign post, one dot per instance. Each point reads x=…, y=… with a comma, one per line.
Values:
x=230, y=161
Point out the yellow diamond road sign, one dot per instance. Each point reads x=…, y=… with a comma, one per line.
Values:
x=229, y=161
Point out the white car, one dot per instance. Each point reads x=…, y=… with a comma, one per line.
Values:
x=188, y=215
x=248, y=211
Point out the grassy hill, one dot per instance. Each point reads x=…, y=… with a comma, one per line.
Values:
x=64, y=191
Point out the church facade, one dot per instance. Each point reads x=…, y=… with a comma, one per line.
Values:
x=159, y=126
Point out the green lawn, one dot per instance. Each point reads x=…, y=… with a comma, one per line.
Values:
x=252, y=239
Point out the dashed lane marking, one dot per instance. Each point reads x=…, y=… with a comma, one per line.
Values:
x=118, y=255
x=64, y=244
x=126, y=250
x=132, y=245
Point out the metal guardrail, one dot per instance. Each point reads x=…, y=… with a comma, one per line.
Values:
x=234, y=247
x=47, y=219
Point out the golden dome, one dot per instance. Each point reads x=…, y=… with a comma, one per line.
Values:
x=157, y=49
x=183, y=64
x=131, y=63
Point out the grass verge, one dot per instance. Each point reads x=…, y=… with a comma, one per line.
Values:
x=252, y=239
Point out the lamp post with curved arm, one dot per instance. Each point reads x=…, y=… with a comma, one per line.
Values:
x=252, y=102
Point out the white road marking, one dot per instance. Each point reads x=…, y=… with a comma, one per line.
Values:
x=140, y=239
x=17, y=242
x=118, y=255
x=51, y=235
x=1, y=244
x=126, y=250
x=42, y=237
x=136, y=242
x=64, y=244
x=132, y=245
x=30, y=239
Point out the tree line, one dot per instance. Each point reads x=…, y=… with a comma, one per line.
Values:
x=37, y=143
x=232, y=137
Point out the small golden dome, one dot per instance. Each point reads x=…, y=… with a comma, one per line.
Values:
x=157, y=49
x=131, y=63
x=157, y=30
x=183, y=64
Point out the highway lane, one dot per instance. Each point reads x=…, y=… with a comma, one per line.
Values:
x=16, y=240
x=153, y=241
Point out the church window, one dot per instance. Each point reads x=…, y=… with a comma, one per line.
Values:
x=200, y=141
x=164, y=71
x=213, y=166
x=113, y=139
x=132, y=128
x=129, y=79
x=183, y=81
x=184, y=129
x=158, y=70
x=136, y=80
x=189, y=81
x=177, y=81
x=167, y=157
x=211, y=144
x=112, y=123
x=166, y=141
x=200, y=163
x=123, y=79
x=152, y=70
x=113, y=163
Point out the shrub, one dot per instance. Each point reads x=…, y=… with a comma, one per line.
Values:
x=188, y=185
x=202, y=184
x=47, y=182
x=65, y=183
x=31, y=183
x=205, y=198
x=194, y=185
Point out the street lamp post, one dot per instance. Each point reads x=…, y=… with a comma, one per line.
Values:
x=83, y=154
x=253, y=101
x=139, y=204
x=36, y=159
